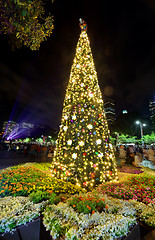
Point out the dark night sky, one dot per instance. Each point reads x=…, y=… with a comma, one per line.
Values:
x=33, y=83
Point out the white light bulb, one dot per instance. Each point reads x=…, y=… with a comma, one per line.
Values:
x=74, y=155
x=81, y=143
x=89, y=126
x=98, y=141
x=74, y=117
x=69, y=142
x=65, y=128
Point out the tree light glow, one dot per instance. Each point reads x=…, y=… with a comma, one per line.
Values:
x=84, y=135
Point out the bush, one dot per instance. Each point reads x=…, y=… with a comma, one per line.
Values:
x=39, y=196
x=87, y=204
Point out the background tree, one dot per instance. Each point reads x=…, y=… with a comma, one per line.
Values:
x=149, y=139
x=25, y=22
x=84, y=153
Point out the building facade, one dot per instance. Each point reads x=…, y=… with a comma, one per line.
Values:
x=109, y=107
x=152, y=110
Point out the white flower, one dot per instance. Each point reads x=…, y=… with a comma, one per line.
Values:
x=18, y=211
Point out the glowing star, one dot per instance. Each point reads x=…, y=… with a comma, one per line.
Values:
x=81, y=143
x=90, y=77
x=98, y=141
x=74, y=155
x=90, y=94
x=100, y=155
x=89, y=126
x=74, y=117
x=65, y=117
x=69, y=142
x=65, y=128
x=78, y=66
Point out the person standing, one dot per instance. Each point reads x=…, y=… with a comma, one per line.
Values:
x=122, y=155
x=43, y=153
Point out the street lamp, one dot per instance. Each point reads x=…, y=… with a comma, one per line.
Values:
x=141, y=130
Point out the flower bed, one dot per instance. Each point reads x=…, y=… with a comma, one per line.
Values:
x=16, y=211
x=140, y=188
x=84, y=216
x=21, y=181
x=79, y=218
x=130, y=169
x=67, y=221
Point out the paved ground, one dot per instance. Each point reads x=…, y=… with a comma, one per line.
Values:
x=8, y=159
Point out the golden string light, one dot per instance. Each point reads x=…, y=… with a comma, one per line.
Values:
x=83, y=152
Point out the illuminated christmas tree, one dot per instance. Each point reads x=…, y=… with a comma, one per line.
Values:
x=83, y=152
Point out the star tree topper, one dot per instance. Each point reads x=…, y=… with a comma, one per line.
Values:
x=83, y=25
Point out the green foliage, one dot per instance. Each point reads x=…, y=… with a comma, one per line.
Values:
x=25, y=22
x=126, y=139
x=39, y=196
x=54, y=199
x=43, y=166
x=148, y=139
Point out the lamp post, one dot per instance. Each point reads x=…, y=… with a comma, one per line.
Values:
x=141, y=130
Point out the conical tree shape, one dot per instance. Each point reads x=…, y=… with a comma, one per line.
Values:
x=83, y=152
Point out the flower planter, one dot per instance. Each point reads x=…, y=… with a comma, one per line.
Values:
x=36, y=231
x=31, y=231
x=133, y=234
x=146, y=232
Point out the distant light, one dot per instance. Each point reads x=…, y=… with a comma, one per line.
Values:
x=124, y=111
x=143, y=124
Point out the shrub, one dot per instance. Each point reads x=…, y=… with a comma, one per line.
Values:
x=39, y=196
x=87, y=204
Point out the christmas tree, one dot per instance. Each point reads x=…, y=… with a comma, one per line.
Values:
x=83, y=152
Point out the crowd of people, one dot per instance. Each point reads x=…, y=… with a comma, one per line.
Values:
x=136, y=155
x=32, y=151
x=125, y=154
